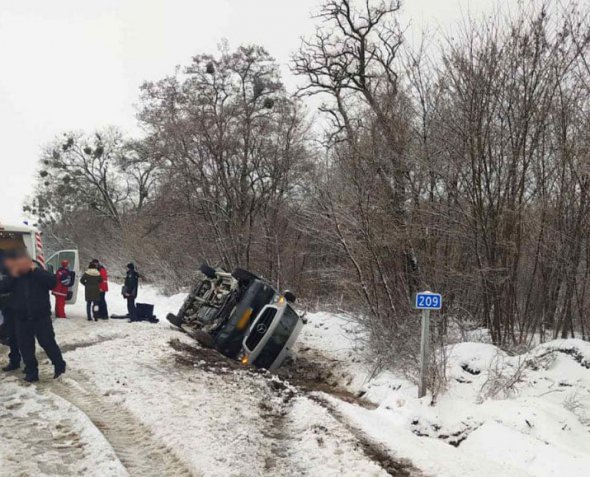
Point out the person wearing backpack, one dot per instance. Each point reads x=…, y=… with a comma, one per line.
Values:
x=60, y=292
x=91, y=281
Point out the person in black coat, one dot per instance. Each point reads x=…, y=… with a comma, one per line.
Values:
x=14, y=357
x=29, y=285
x=130, y=289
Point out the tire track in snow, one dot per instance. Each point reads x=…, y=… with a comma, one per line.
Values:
x=321, y=424
x=281, y=437
x=277, y=435
x=374, y=451
x=312, y=378
x=135, y=445
x=66, y=348
x=51, y=447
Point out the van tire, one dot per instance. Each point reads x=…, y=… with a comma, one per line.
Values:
x=208, y=271
x=245, y=276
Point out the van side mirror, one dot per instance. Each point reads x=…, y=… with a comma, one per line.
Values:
x=290, y=296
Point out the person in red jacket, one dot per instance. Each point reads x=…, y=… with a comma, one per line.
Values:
x=60, y=291
x=104, y=288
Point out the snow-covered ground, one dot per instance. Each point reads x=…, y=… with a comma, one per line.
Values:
x=131, y=404
x=501, y=415
x=126, y=407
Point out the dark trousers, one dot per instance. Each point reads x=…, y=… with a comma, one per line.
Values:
x=14, y=353
x=131, y=310
x=42, y=329
x=102, y=305
x=90, y=309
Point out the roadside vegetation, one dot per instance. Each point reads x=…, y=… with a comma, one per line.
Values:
x=459, y=164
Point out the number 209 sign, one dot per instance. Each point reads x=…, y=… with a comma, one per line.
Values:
x=428, y=301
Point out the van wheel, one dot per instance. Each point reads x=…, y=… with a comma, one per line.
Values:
x=242, y=275
x=208, y=271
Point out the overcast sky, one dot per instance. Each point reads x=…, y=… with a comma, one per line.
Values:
x=72, y=64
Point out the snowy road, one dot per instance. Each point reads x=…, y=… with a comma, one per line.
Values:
x=126, y=407
x=144, y=400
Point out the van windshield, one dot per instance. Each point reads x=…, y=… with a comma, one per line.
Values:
x=279, y=339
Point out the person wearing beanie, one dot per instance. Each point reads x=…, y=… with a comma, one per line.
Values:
x=130, y=289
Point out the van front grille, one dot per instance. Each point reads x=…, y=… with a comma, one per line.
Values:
x=260, y=328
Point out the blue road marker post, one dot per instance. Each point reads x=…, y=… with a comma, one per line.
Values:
x=425, y=301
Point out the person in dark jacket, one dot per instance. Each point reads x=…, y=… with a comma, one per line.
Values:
x=14, y=356
x=91, y=281
x=130, y=289
x=29, y=285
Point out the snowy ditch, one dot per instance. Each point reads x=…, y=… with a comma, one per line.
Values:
x=501, y=415
x=131, y=404
x=300, y=385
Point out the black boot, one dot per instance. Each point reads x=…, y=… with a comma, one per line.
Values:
x=32, y=377
x=11, y=367
x=59, y=370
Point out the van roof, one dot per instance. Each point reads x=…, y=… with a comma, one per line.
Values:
x=23, y=229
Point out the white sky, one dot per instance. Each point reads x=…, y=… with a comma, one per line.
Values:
x=73, y=64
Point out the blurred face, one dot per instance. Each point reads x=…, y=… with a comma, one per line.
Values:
x=18, y=266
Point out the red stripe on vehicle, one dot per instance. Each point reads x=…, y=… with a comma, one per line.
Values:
x=40, y=255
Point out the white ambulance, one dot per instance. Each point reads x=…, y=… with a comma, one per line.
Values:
x=18, y=236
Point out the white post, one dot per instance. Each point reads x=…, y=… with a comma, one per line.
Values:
x=424, y=353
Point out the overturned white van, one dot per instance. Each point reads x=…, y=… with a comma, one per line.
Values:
x=18, y=236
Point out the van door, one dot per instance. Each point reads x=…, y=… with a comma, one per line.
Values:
x=72, y=256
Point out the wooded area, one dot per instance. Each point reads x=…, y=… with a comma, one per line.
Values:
x=460, y=165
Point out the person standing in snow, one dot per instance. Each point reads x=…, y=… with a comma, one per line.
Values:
x=14, y=356
x=60, y=292
x=29, y=285
x=91, y=281
x=103, y=310
x=130, y=289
